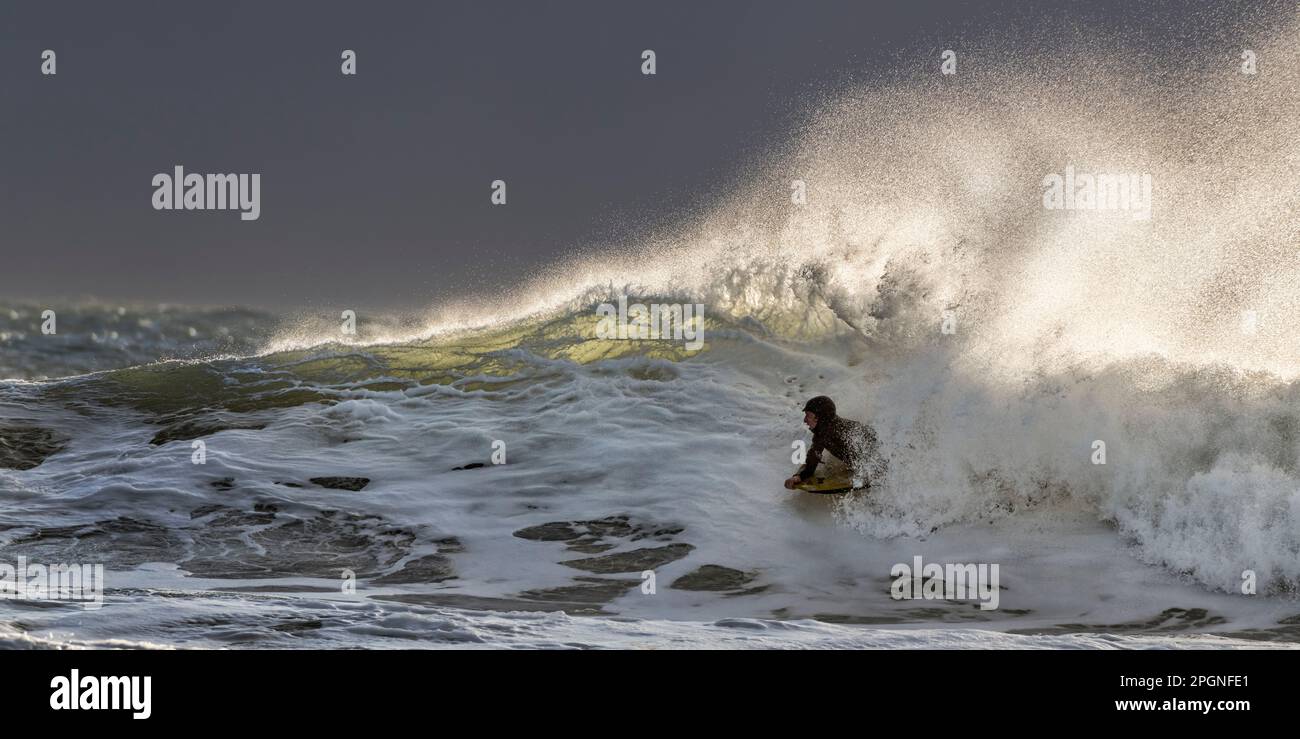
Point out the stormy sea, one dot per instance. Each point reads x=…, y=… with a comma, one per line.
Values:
x=490, y=471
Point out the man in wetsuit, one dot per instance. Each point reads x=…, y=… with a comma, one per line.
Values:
x=851, y=442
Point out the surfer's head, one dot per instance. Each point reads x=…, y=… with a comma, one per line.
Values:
x=819, y=409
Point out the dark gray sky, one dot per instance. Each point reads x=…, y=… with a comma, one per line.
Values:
x=375, y=188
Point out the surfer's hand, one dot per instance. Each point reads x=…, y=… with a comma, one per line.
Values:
x=790, y=483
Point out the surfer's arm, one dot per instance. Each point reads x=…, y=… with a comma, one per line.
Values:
x=811, y=460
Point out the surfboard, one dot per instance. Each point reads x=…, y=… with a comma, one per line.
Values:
x=828, y=485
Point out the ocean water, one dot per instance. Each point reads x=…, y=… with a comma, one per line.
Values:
x=620, y=457
x=330, y=510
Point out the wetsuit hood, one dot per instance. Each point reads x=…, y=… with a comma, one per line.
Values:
x=821, y=405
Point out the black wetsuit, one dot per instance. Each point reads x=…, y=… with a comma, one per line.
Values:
x=851, y=442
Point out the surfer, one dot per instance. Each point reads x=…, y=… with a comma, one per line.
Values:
x=849, y=441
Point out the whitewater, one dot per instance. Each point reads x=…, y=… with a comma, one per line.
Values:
x=349, y=495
